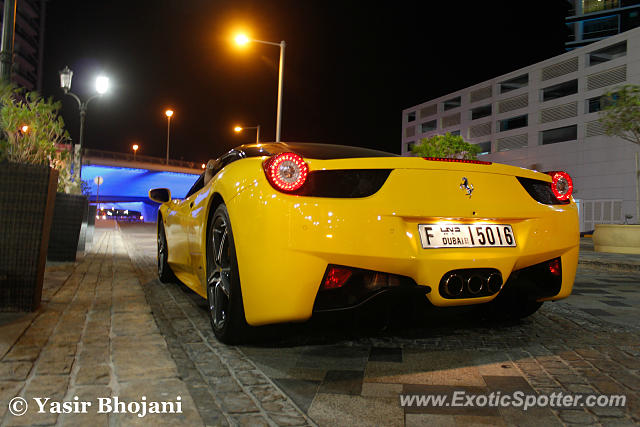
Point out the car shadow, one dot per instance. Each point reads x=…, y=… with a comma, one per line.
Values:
x=405, y=318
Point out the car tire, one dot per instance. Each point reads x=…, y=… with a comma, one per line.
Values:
x=224, y=294
x=165, y=274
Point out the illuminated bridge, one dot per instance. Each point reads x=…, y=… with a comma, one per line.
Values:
x=126, y=182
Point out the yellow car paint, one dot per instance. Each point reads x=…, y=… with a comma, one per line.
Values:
x=285, y=242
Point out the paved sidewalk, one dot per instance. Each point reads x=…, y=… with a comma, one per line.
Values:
x=94, y=336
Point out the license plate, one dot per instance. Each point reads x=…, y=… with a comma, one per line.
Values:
x=466, y=235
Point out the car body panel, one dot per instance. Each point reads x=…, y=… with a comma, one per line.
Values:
x=284, y=242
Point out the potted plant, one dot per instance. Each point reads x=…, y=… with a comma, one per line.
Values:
x=29, y=129
x=620, y=117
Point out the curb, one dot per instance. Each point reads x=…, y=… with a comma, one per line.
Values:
x=610, y=265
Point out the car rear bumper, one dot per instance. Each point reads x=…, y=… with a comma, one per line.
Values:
x=289, y=241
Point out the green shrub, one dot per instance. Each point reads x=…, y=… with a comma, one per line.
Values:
x=447, y=145
x=36, y=143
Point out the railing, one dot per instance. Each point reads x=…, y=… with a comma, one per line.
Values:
x=599, y=33
x=139, y=158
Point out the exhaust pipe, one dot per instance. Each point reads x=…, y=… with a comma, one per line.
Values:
x=494, y=283
x=453, y=285
x=475, y=285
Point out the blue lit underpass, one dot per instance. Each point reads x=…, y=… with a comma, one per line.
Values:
x=128, y=187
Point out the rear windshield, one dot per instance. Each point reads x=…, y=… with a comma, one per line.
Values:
x=312, y=150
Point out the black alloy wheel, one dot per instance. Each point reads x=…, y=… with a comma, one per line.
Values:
x=224, y=295
x=165, y=274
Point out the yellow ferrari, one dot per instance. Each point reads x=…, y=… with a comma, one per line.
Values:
x=277, y=231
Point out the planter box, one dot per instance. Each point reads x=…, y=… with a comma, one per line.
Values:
x=65, y=229
x=91, y=225
x=82, y=241
x=27, y=197
x=617, y=238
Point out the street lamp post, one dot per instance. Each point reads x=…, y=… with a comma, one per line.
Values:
x=135, y=151
x=242, y=40
x=239, y=129
x=98, y=180
x=168, y=113
x=102, y=85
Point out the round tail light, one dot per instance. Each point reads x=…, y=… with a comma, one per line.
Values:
x=561, y=185
x=286, y=171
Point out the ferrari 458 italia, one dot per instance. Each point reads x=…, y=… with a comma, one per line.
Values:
x=274, y=232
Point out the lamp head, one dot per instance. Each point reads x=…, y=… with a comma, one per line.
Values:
x=238, y=129
x=65, y=79
x=169, y=113
x=242, y=39
x=102, y=84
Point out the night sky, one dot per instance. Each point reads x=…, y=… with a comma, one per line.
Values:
x=350, y=68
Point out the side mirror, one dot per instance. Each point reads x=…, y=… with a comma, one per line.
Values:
x=160, y=195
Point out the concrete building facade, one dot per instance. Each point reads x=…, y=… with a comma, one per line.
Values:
x=545, y=117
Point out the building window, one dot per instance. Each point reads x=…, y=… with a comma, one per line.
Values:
x=600, y=102
x=513, y=123
x=485, y=148
x=455, y=132
x=560, y=90
x=410, y=145
x=629, y=20
x=600, y=27
x=514, y=83
x=428, y=126
x=551, y=136
x=594, y=104
x=480, y=112
x=452, y=103
x=411, y=116
x=608, y=53
x=589, y=6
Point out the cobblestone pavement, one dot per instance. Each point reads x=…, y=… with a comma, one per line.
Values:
x=225, y=384
x=351, y=369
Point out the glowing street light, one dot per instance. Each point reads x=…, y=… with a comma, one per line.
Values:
x=135, y=151
x=239, y=129
x=242, y=40
x=102, y=84
x=102, y=87
x=169, y=114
